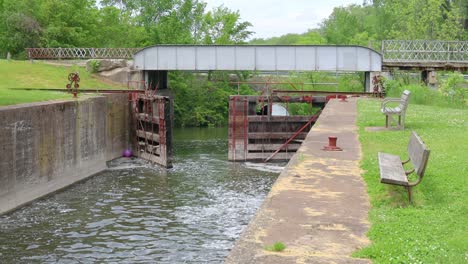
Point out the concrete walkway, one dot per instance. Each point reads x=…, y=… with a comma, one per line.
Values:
x=318, y=206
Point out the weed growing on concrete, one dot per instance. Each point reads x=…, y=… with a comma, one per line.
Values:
x=300, y=157
x=276, y=247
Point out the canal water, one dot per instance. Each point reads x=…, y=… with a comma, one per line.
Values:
x=136, y=213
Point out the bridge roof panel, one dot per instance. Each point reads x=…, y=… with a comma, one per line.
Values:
x=258, y=57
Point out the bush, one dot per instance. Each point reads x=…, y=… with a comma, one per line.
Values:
x=94, y=65
x=451, y=93
x=201, y=103
x=452, y=87
x=350, y=82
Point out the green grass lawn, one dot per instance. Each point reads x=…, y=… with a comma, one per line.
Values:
x=24, y=74
x=434, y=229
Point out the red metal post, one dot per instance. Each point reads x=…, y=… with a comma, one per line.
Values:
x=332, y=144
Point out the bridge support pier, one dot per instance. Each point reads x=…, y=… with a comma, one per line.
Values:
x=429, y=77
x=367, y=82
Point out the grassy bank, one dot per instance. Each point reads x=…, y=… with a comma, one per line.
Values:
x=24, y=74
x=433, y=229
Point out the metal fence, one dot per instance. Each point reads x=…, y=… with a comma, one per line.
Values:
x=424, y=51
x=81, y=53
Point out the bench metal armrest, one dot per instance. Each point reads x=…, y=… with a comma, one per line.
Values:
x=412, y=184
x=390, y=100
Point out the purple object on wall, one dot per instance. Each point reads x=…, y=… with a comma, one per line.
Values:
x=127, y=153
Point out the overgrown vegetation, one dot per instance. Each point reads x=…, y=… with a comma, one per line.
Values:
x=433, y=229
x=199, y=102
x=24, y=74
x=452, y=91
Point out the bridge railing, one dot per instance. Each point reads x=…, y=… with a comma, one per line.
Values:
x=81, y=53
x=424, y=51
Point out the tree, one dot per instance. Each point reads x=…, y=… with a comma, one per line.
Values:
x=421, y=19
x=223, y=26
x=18, y=26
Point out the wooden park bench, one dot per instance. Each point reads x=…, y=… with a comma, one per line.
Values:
x=391, y=166
x=399, y=110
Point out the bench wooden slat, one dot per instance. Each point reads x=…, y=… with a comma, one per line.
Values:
x=418, y=154
x=391, y=170
x=395, y=110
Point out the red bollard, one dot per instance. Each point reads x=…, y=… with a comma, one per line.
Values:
x=332, y=145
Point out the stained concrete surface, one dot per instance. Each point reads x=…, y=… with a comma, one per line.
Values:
x=47, y=146
x=318, y=206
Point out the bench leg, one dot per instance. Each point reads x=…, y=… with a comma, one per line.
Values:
x=410, y=195
x=402, y=122
x=386, y=121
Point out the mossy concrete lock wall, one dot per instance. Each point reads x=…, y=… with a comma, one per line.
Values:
x=50, y=145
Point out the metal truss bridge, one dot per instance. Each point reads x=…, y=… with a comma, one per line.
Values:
x=396, y=54
x=425, y=54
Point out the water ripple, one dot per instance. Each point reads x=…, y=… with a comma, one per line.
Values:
x=137, y=213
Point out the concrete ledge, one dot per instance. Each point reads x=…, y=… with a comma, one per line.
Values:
x=318, y=206
x=47, y=146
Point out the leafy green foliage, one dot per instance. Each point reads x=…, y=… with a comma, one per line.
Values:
x=301, y=109
x=221, y=26
x=198, y=102
x=367, y=24
x=94, y=65
x=308, y=38
x=114, y=23
x=432, y=229
x=351, y=82
x=451, y=94
x=453, y=88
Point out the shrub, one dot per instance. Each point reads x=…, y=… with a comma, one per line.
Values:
x=452, y=87
x=350, y=82
x=94, y=65
x=451, y=93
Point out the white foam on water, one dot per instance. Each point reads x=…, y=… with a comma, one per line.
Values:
x=127, y=167
x=264, y=167
x=129, y=163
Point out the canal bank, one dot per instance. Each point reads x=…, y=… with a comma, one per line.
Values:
x=318, y=206
x=48, y=146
